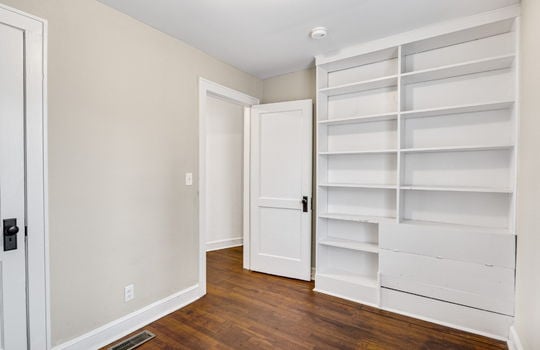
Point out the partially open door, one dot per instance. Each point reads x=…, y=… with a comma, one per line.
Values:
x=281, y=175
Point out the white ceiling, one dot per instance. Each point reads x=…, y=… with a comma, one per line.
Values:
x=271, y=37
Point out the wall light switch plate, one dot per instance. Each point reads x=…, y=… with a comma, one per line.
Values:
x=189, y=179
x=129, y=292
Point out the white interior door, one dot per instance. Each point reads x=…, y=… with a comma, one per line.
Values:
x=12, y=190
x=281, y=153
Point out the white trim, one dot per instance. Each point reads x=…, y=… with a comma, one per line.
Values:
x=514, y=341
x=206, y=88
x=35, y=32
x=443, y=323
x=247, y=189
x=125, y=325
x=436, y=29
x=337, y=295
x=224, y=243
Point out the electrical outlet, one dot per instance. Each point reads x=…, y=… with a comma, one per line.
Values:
x=189, y=179
x=129, y=293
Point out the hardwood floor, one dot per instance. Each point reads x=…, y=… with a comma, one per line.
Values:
x=249, y=310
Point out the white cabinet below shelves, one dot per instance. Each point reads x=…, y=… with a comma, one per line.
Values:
x=474, y=245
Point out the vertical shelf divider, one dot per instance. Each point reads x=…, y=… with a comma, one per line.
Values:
x=399, y=166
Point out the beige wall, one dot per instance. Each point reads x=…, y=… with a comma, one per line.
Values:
x=123, y=124
x=293, y=86
x=528, y=214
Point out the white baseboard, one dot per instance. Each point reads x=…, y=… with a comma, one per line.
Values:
x=224, y=243
x=514, y=342
x=121, y=327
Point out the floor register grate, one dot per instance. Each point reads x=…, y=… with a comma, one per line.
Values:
x=133, y=342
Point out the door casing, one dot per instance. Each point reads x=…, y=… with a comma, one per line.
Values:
x=35, y=44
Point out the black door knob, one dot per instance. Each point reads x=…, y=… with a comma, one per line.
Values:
x=12, y=230
x=10, y=234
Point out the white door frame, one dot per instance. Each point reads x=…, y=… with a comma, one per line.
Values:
x=35, y=43
x=210, y=88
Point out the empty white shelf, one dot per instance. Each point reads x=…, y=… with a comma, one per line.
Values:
x=458, y=148
x=470, y=108
x=457, y=189
x=454, y=70
x=350, y=278
x=370, y=219
x=360, y=86
x=339, y=153
x=360, y=119
x=352, y=245
x=483, y=229
x=351, y=185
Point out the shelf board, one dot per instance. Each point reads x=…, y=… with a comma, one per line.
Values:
x=352, y=245
x=455, y=70
x=369, y=219
x=350, y=185
x=449, y=110
x=461, y=227
x=458, y=149
x=457, y=189
x=380, y=151
x=349, y=278
x=360, y=119
x=332, y=65
x=365, y=85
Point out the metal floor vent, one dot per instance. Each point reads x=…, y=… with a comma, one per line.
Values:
x=133, y=342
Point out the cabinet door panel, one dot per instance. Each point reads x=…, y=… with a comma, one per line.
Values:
x=484, y=287
x=469, y=246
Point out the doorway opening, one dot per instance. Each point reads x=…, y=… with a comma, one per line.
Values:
x=224, y=140
x=255, y=177
x=224, y=173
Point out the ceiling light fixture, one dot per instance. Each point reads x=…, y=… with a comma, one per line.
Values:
x=318, y=33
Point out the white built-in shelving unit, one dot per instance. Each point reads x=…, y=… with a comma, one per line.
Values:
x=416, y=134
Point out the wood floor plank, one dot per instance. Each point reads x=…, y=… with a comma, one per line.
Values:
x=250, y=310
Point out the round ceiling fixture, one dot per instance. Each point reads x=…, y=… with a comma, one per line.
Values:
x=318, y=33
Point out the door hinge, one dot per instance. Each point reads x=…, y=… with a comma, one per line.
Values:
x=26, y=231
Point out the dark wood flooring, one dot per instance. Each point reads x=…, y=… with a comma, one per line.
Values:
x=249, y=310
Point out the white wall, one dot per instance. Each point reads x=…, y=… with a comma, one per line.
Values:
x=527, y=321
x=123, y=126
x=225, y=152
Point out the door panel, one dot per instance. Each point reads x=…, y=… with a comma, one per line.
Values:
x=281, y=153
x=12, y=197
x=279, y=233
